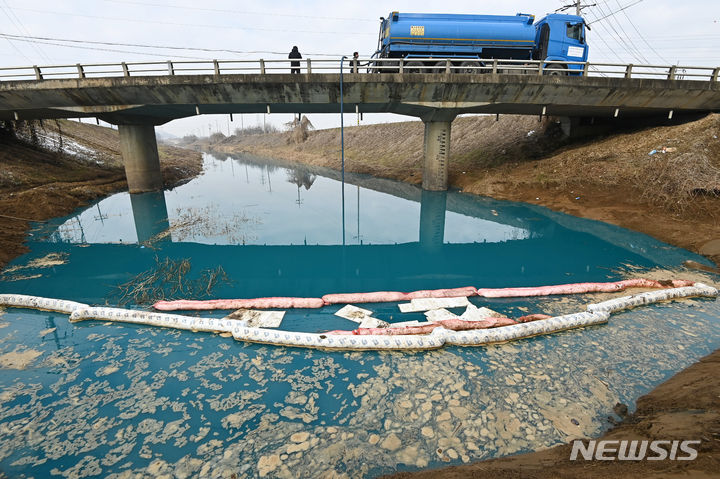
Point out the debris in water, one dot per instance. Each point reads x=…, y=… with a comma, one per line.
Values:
x=425, y=304
x=353, y=313
x=167, y=280
x=258, y=319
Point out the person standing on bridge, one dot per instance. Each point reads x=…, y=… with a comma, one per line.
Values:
x=294, y=65
x=355, y=63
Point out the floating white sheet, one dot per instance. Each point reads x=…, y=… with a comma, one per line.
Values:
x=426, y=304
x=258, y=319
x=353, y=313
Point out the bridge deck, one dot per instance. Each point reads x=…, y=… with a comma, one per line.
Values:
x=159, y=99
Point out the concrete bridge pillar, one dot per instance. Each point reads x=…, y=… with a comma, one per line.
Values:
x=138, y=147
x=436, y=153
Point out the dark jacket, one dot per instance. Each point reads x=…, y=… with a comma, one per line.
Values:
x=295, y=53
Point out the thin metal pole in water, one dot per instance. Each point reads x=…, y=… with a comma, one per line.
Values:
x=342, y=148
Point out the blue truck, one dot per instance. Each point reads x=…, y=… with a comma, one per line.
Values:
x=472, y=42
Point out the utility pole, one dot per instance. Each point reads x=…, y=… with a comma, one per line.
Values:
x=577, y=5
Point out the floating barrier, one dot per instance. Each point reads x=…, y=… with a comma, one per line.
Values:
x=397, y=296
x=407, y=337
x=626, y=302
x=176, y=321
x=579, y=288
x=525, y=330
x=328, y=341
x=256, y=303
x=37, y=302
x=449, y=324
x=287, y=302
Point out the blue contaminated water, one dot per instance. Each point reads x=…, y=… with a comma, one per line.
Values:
x=96, y=399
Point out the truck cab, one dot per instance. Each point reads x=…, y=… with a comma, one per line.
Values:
x=561, y=38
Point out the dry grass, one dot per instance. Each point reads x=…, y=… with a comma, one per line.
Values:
x=168, y=280
x=676, y=183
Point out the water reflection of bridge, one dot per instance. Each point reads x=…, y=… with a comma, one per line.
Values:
x=549, y=239
x=151, y=217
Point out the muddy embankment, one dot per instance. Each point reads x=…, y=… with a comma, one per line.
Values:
x=663, y=181
x=51, y=169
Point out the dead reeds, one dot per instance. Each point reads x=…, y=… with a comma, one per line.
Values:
x=169, y=279
x=676, y=182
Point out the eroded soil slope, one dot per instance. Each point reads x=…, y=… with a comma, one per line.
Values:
x=38, y=182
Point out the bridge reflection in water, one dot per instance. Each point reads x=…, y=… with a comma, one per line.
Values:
x=149, y=211
x=494, y=243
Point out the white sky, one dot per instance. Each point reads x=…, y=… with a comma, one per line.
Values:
x=658, y=32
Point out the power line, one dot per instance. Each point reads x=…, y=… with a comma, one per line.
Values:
x=641, y=35
x=627, y=44
x=13, y=44
x=616, y=12
x=612, y=50
x=195, y=25
x=21, y=28
x=142, y=45
x=618, y=41
x=42, y=42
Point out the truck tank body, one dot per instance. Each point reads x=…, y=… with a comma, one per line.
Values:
x=470, y=40
x=413, y=32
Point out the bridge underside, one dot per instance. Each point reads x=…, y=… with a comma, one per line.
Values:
x=158, y=115
x=435, y=98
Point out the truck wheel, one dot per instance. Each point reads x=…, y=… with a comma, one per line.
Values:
x=386, y=67
x=414, y=67
x=555, y=70
x=469, y=68
x=438, y=67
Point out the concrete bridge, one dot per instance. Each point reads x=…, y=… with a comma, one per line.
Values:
x=137, y=97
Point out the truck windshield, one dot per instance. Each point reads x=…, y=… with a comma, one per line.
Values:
x=574, y=31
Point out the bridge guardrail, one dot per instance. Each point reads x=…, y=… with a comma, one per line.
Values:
x=366, y=66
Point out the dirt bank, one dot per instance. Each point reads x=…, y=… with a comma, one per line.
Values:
x=37, y=182
x=673, y=196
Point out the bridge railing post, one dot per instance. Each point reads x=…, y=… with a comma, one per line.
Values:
x=494, y=70
x=38, y=73
x=671, y=73
x=447, y=66
x=262, y=66
x=309, y=67
x=402, y=65
x=126, y=71
x=540, y=68
x=628, y=71
x=171, y=70
x=715, y=74
x=81, y=71
x=216, y=67
x=586, y=69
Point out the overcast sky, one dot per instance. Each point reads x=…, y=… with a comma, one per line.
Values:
x=657, y=32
